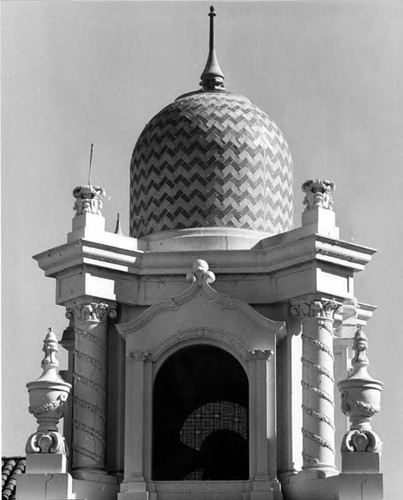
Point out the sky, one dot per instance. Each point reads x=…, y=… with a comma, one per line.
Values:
x=330, y=74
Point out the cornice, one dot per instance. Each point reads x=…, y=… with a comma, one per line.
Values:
x=264, y=258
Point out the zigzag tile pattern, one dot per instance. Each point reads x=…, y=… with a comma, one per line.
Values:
x=210, y=159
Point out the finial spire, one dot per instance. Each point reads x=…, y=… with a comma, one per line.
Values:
x=212, y=77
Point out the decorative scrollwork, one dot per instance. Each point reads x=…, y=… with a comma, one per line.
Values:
x=318, y=368
x=46, y=442
x=369, y=409
x=318, y=415
x=58, y=405
x=319, y=345
x=361, y=441
x=317, y=439
x=309, y=459
x=319, y=392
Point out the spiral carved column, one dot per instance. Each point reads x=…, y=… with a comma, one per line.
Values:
x=317, y=382
x=89, y=382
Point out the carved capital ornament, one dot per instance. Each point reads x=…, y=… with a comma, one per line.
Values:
x=318, y=193
x=315, y=308
x=88, y=200
x=91, y=311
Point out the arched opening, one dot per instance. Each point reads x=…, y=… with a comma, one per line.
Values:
x=200, y=417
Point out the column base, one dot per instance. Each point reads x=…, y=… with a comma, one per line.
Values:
x=98, y=476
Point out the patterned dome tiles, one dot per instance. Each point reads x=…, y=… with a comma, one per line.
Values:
x=211, y=159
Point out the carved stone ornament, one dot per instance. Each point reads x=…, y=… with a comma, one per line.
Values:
x=316, y=308
x=139, y=355
x=360, y=401
x=91, y=311
x=88, y=200
x=200, y=273
x=318, y=193
x=47, y=397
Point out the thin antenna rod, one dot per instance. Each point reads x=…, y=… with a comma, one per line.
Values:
x=89, y=169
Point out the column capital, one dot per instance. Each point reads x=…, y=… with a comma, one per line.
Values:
x=314, y=307
x=139, y=355
x=318, y=194
x=259, y=354
x=91, y=310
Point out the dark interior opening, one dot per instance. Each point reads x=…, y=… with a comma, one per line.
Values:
x=200, y=417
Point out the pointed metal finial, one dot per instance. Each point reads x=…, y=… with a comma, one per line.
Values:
x=212, y=77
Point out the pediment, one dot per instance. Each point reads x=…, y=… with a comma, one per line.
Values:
x=201, y=308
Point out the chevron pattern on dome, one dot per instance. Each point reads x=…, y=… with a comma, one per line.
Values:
x=210, y=159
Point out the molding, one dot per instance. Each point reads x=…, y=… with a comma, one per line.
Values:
x=192, y=334
x=121, y=254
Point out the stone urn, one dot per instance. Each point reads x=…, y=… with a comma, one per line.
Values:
x=47, y=402
x=361, y=398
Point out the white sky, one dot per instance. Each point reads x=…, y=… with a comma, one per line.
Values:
x=330, y=74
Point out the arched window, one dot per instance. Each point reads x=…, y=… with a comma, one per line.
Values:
x=200, y=417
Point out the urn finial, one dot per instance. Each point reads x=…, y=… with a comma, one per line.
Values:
x=47, y=402
x=361, y=396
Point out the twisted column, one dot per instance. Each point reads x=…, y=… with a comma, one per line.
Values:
x=89, y=381
x=317, y=382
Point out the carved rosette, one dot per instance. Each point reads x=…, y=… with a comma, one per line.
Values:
x=317, y=381
x=360, y=396
x=318, y=193
x=89, y=379
x=47, y=402
x=88, y=200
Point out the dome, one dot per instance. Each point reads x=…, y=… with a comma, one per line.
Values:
x=210, y=159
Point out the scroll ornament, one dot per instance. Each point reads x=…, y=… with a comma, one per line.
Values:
x=47, y=397
x=361, y=396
